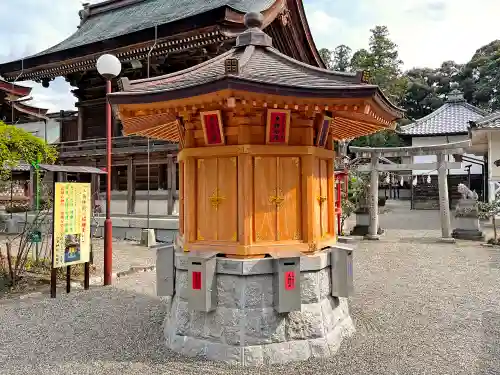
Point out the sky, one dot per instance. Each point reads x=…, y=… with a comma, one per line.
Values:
x=427, y=32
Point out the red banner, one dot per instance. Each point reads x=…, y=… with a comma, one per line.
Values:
x=289, y=280
x=196, y=280
x=277, y=127
x=214, y=137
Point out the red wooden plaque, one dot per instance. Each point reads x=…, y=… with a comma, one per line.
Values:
x=289, y=280
x=196, y=281
x=212, y=128
x=278, y=126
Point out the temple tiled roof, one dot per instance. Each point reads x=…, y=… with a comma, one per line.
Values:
x=255, y=63
x=452, y=117
x=492, y=121
x=261, y=65
x=254, y=68
x=111, y=19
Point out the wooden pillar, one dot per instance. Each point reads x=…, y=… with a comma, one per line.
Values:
x=162, y=177
x=245, y=190
x=309, y=201
x=444, y=205
x=80, y=123
x=181, y=197
x=373, y=208
x=131, y=196
x=190, y=200
x=114, y=179
x=173, y=177
x=170, y=184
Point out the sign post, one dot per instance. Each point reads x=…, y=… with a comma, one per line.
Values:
x=71, y=229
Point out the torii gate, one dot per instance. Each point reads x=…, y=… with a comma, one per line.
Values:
x=440, y=150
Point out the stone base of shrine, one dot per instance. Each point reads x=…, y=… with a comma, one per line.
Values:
x=362, y=230
x=362, y=225
x=245, y=328
x=468, y=234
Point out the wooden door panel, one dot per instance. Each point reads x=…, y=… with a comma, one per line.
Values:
x=289, y=186
x=227, y=211
x=206, y=214
x=323, y=182
x=316, y=196
x=265, y=186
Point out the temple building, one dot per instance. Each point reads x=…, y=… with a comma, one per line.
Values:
x=485, y=139
x=151, y=38
x=447, y=124
x=14, y=106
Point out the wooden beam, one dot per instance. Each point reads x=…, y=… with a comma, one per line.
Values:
x=408, y=167
x=445, y=148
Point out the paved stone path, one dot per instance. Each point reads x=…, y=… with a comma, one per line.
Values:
x=420, y=308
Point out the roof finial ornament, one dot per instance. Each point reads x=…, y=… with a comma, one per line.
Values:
x=253, y=35
x=253, y=20
x=455, y=94
x=84, y=13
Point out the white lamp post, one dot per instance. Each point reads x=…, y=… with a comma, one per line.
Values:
x=109, y=67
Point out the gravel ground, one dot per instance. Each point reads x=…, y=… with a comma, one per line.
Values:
x=419, y=308
x=126, y=254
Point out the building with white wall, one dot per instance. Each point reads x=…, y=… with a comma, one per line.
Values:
x=47, y=129
x=485, y=138
x=447, y=124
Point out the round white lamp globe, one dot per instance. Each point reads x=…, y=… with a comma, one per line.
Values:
x=108, y=66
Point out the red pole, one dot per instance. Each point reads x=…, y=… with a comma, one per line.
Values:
x=108, y=226
x=339, y=207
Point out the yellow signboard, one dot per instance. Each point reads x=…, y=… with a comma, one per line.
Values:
x=71, y=224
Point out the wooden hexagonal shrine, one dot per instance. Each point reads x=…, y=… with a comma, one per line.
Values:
x=256, y=130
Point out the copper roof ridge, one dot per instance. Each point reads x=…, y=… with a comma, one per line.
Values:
x=246, y=56
x=311, y=67
x=127, y=84
x=109, y=5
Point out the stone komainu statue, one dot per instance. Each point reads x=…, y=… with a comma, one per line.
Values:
x=466, y=192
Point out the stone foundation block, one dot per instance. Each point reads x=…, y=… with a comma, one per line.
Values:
x=245, y=328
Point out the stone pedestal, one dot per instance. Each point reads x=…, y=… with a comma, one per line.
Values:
x=467, y=223
x=363, y=224
x=148, y=237
x=245, y=329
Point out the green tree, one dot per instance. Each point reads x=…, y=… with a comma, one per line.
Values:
x=326, y=56
x=341, y=60
x=428, y=88
x=480, y=78
x=17, y=145
x=382, y=62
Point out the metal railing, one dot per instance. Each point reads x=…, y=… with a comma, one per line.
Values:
x=97, y=146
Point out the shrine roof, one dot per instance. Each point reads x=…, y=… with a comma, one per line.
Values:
x=14, y=89
x=260, y=68
x=110, y=19
x=491, y=121
x=260, y=65
x=252, y=67
x=452, y=117
x=15, y=95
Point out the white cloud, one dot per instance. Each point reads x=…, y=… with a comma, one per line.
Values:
x=427, y=32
